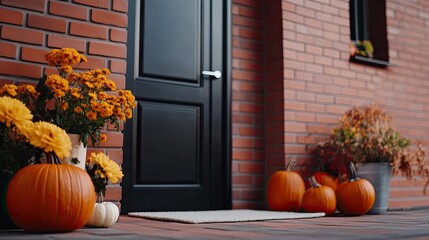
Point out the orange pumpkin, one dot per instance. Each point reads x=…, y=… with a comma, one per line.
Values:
x=326, y=179
x=355, y=196
x=50, y=198
x=285, y=190
x=319, y=198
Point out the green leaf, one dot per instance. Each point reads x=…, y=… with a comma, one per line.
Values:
x=75, y=161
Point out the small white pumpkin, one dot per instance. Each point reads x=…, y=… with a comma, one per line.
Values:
x=105, y=214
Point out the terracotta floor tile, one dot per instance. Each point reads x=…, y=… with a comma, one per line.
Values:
x=413, y=224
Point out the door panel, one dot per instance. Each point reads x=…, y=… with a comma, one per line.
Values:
x=175, y=155
x=171, y=38
x=176, y=147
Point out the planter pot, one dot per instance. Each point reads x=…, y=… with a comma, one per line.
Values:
x=379, y=175
x=5, y=221
x=78, y=151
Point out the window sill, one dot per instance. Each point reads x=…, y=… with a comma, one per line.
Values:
x=369, y=61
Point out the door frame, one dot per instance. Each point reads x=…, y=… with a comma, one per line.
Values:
x=129, y=146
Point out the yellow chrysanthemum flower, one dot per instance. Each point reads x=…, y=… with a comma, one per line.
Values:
x=95, y=106
x=105, y=71
x=103, y=137
x=105, y=106
x=121, y=99
x=51, y=57
x=25, y=129
x=129, y=96
x=111, y=85
x=8, y=90
x=75, y=58
x=117, y=111
x=59, y=93
x=26, y=88
x=63, y=57
x=73, y=77
x=85, y=77
x=101, y=78
x=91, y=115
x=55, y=82
x=13, y=111
x=97, y=71
x=78, y=110
x=128, y=113
x=120, y=116
x=64, y=106
x=108, y=167
x=66, y=69
x=50, y=138
x=67, y=56
x=83, y=58
x=102, y=95
x=93, y=96
x=89, y=84
x=75, y=92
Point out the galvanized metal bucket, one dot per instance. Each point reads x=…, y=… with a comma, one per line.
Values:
x=379, y=174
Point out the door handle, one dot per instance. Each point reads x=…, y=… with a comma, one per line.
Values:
x=216, y=74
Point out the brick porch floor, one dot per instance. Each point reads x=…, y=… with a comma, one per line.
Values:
x=410, y=224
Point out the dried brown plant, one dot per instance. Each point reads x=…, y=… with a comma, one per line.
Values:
x=365, y=134
x=412, y=164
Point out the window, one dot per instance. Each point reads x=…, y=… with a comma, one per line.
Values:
x=368, y=22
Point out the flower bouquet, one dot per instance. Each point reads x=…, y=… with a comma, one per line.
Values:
x=81, y=103
x=22, y=141
x=57, y=190
x=102, y=169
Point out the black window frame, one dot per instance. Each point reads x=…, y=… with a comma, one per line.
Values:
x=368, y=22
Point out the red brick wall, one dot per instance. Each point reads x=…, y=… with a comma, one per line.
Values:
x=248, y=164
x=97, y=29
x=291, y=75
x=316, y=84
x=274, y=88
x=404, y=88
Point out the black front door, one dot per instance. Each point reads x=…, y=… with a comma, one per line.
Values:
x=175, y=148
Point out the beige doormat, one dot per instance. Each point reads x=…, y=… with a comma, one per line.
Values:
x=218, y=216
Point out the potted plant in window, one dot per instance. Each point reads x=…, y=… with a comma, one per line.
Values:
x=365, y=136
x=362, y=48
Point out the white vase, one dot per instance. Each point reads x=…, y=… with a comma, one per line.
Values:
x=78, y=151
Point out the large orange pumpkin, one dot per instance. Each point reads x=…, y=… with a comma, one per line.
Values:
x=326, y=179
x=319, y=198
x=355, y=196
x=285, y=190
x=50, y=198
